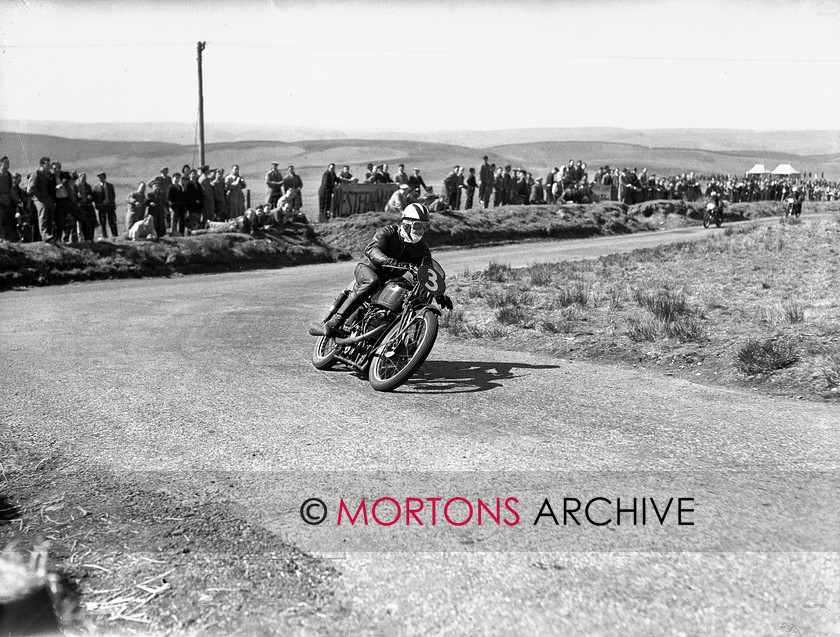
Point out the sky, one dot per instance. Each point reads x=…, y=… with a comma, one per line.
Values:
x=426, y=65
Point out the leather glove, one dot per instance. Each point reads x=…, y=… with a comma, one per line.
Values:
x=444, y=301
x=391, y=263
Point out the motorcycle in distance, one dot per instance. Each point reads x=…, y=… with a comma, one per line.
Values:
x=392, y=333
x=794, y=207
x=714, y=213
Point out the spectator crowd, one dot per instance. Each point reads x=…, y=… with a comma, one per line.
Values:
x=56, y=205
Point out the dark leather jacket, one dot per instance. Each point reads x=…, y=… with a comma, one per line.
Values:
x=388, y=248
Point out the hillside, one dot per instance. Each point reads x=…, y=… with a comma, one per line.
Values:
x=794, y=142
x=128, y=162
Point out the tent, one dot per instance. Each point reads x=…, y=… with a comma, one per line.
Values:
x=758, y=169
x=785, y=169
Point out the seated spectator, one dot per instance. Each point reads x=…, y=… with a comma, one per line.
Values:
x=143, y=229
x=242, y=224
x=399, y=200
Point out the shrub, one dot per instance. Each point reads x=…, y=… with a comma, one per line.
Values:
x=761, y=357
x=665, y=305
x=686, y=329
x=556, y=326
x=831, y=372
x=579, y=294
x=541, y=274
x=499, y=272
x=793, y=311
x=509, y=298
x=509, y=315
x=642, y=329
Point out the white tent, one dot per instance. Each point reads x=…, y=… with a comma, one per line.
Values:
x=785, y=169
x=758, y=169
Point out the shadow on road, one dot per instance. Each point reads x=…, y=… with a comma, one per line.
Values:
x=464, y=377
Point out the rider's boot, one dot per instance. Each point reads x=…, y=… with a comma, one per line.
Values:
x=350, y=305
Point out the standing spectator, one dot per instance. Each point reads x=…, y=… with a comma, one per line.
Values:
x=28, y=226
x=8, y=202
x=274, y=185
x=234, y=187
x=369, y=173
x=400, y=177
x=194, y=197
x=450, y=188
x=63, y=203
x=416, y=181
x=41, y=190
x=507, y=185
x=106, y=205
x=177, y=199
x=470, y=186
x=485, y=182
x=220, y=208
x=155, y=207
x=386, y=176
x=325, y=192
x=84, y=195
x=498, y=188
x=293, y=181
x=208, y=206
x=135, y=208
x=550, y=178
x=165, y=182
x=459, y=187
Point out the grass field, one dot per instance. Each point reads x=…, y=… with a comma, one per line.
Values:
x=752, y=307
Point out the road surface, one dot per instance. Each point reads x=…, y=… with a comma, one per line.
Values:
x=202, y=375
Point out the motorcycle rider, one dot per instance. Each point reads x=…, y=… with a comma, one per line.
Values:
x=394, y=247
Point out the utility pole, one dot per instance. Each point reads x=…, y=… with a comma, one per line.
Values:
x=200, y=47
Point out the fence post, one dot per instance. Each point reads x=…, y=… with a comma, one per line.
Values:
x=247, y=198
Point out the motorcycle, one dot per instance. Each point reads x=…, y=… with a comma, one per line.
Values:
x=392, y=333
x=714, y=213
x=794, y=207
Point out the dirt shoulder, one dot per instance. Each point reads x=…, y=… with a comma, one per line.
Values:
x=132, y=556
x=751, y=307
x=27, y=264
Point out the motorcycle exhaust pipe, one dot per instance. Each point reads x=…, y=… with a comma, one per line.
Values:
x=364, y=337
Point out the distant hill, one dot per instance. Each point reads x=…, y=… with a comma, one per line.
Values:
x=127, y=162
x=803, y=142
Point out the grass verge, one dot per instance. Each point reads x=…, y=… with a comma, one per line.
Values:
x=754, y=306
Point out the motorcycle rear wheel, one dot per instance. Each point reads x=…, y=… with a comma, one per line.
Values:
x=718, y=220
x=402, y=353
x=323, y=356
x=707, y=219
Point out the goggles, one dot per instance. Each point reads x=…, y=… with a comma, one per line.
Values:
x=418, y=226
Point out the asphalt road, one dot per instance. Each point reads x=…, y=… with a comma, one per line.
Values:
x=209, y=375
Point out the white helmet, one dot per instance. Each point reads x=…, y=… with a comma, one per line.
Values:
x=415, y=222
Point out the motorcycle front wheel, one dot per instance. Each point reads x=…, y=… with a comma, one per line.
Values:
x=707, y=219
x=402, y=352
x=323, y=356
x=718, y=220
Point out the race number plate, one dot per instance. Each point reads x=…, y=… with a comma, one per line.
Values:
x=432, y=277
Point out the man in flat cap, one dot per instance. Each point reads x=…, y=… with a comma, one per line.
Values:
x=273, y=185
x=105, y=200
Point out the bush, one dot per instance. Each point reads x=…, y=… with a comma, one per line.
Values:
x=642, y=329
x=509, y=315
x=665, y=305
x=686, y=329
x=831, y=372
x=499, y=272
x=793, y=311
x=579, y=295
x=762, y=357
